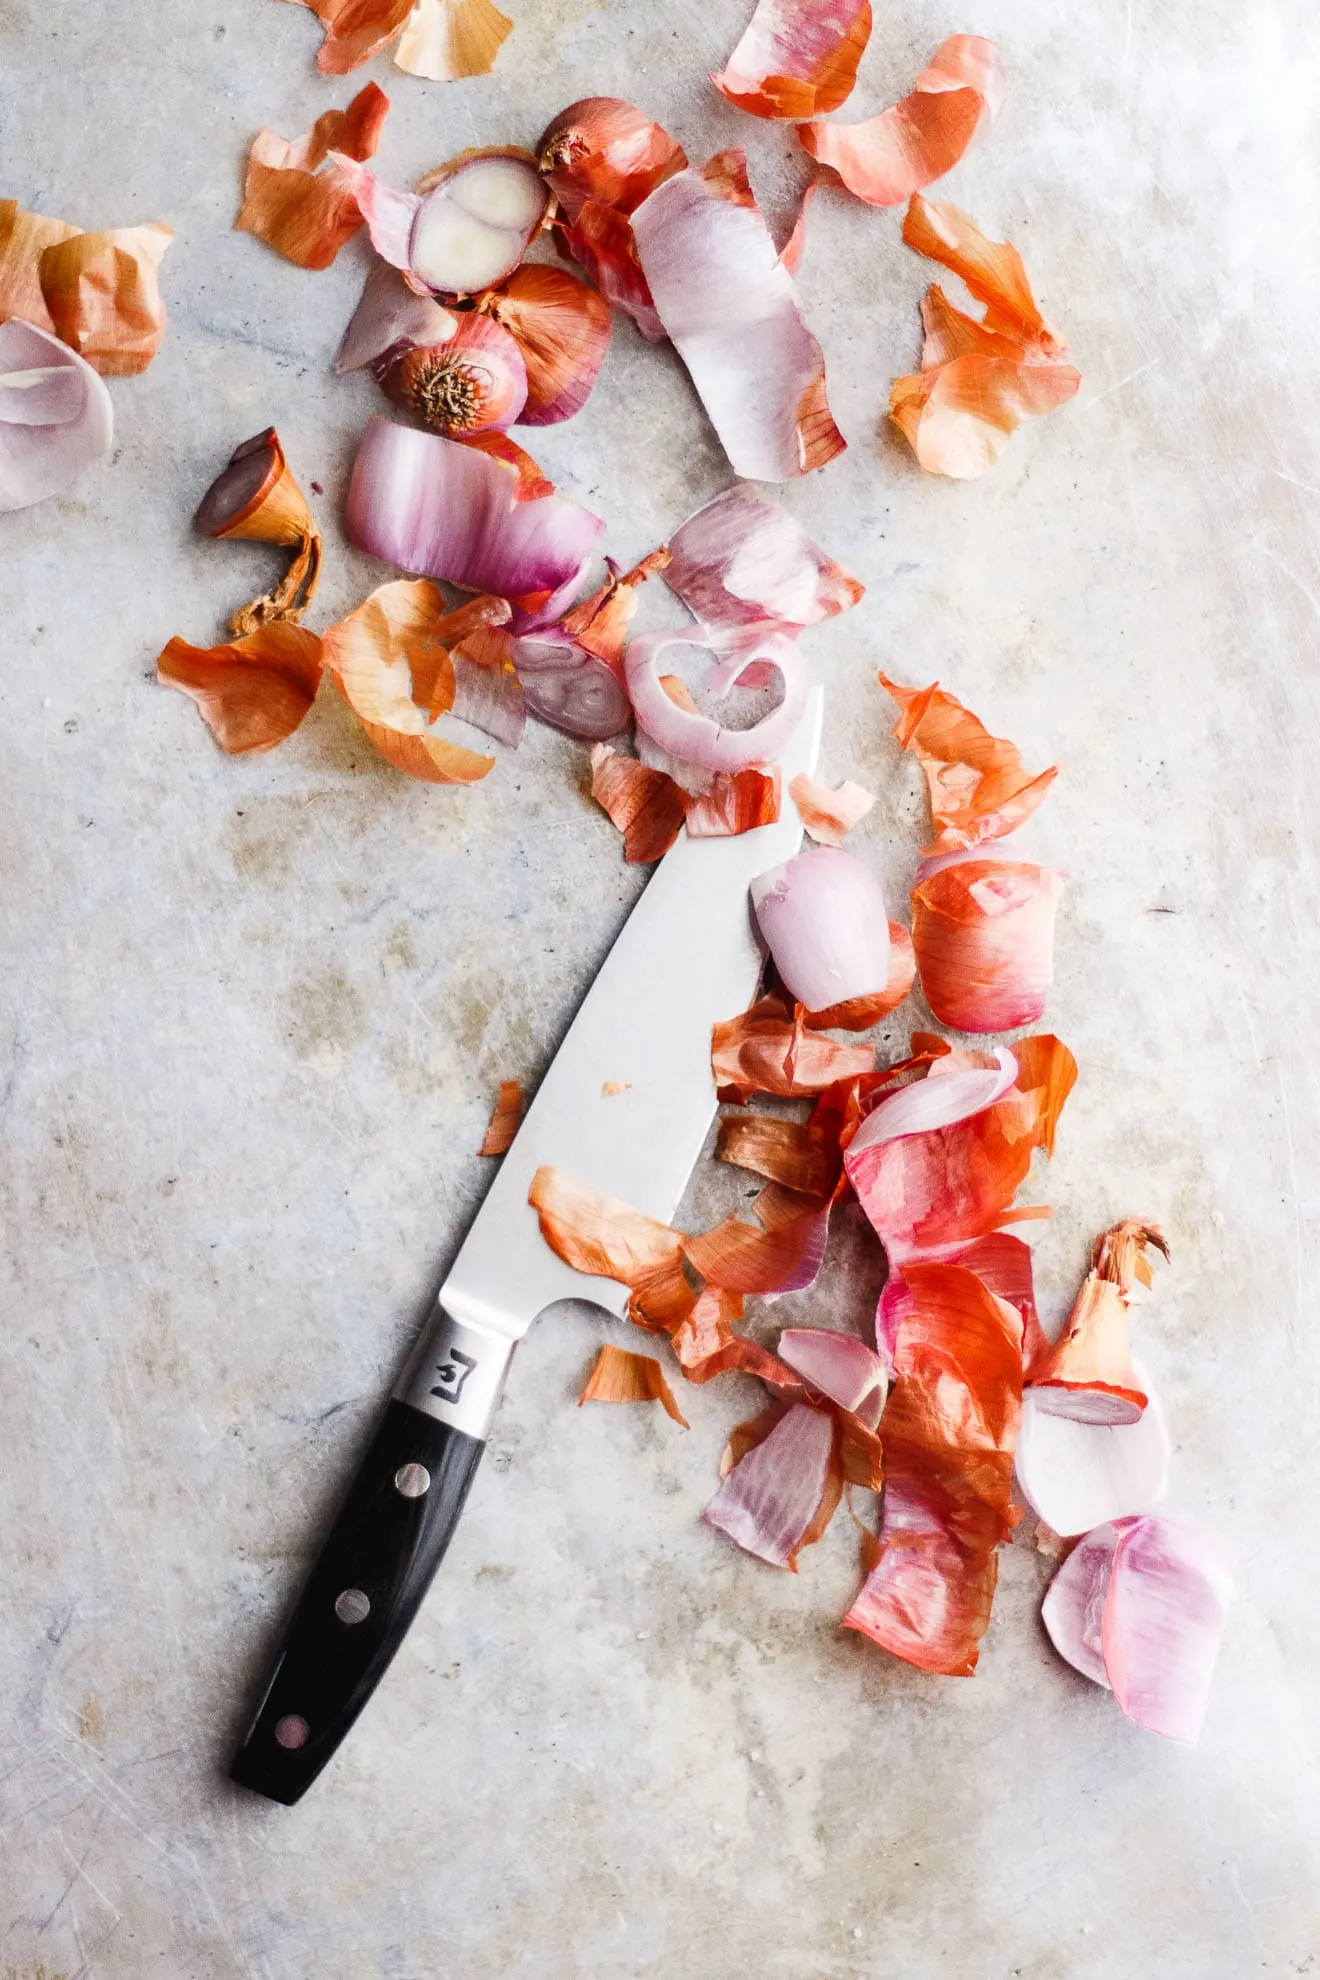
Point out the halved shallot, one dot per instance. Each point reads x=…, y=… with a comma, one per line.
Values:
x=56, y=418
x=822, y=915
x=473, y=380
x=467, y=226
x=256, y=499
x=1139, y=1607
x=797, y=58
x=432, y=505
x=744, y=567
x=1088, y=1374
x=894, y=155
x=696, y=738
x=730, y=306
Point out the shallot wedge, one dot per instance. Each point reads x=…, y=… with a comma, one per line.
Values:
x=292, y=200
x=621, y=1376
x=894, y=155
x=983, y=932
x=467, y=226
x=255, y=499
x=446, y=40
x=505, y=1120
x=828, y=816
x=822, y=916
x=841, y=1367
x=696, y=738
x=978, y=380
x=770, y=1500
x=1088, y=1373
x=391, y=313
x=797, y=58
x=355, y=30
x=56, y=418
x=562, y=328
x=1140, y=1606
x=730, y=307
x=252, y=693
x=745, y=567
x=860, y=1013
x=103, y=294
x=978, y=787
x=391, y=659
x=949, y=1431
x=432, y=505
x=1079, y=1475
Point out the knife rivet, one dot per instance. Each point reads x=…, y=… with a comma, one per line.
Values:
x=292, y=1731
x=352, y=1606
x=412, y=1480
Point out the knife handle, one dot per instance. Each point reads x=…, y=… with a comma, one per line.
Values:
x=380, y=1557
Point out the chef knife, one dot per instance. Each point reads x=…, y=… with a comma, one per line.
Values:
x=685, y=958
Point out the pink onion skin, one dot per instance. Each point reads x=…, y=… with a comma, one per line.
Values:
x=442, y=510
x=390, y=214
x=1162, y=1621
x=769, y=1499
x=391, y=313
x=50, y=430
x=938, y=1101
x=696, y=738
x=744, y=567
x=824, y=920
x=840, y=1366
x=1074, y=1604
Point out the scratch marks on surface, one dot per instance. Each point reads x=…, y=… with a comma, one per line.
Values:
x=1118, y=385
x=1307, y=487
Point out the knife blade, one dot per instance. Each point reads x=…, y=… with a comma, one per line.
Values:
x=686, y=957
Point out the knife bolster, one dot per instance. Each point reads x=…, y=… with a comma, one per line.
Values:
x=456, y=1374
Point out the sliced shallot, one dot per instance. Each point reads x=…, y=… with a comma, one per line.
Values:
x=696, y=738
x=729, y=305
x=823, y=918
x=571, y=690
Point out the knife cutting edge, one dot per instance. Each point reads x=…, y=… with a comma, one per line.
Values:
x=685, y=958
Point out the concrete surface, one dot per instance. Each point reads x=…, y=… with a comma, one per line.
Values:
x=257, y=1011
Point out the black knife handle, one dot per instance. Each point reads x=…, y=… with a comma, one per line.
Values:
x=379, y=1559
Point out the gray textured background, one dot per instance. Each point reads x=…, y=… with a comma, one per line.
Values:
x=255, y=1013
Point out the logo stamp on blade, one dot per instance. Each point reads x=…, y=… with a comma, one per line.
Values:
x=453, y=1372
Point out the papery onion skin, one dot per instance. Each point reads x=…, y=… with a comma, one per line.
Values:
x=797, y=58
x=355, y=30
x=890, y=157
x=473, y=381
x=40, y=458
x=622, y=1376
x=446, y=40
x=744, y=566
x=983, y=933
x=562, y=328
x=768, y=1502
x=253, y=693
x=978, y=787
x=698, y=739
x=23, y=235
x=824, y=920
x=103, y=294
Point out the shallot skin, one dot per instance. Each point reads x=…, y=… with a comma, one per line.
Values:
x=824, y=920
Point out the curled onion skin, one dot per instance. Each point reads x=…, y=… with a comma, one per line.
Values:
x=824, y=920
x=696, y=738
